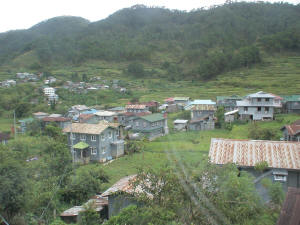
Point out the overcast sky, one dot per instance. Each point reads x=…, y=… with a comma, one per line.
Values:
x=22, y=14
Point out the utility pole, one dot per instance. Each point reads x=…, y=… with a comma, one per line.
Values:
x=15, y=131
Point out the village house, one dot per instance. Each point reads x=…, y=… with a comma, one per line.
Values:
x=282, y=158
x=122, y=194
x=292, y=132
x=152, y=126
x=228, y=102
x=180, y=125
x=99, y=204
x=76, y=110
x=95, y=142
x=4, y=137
x=88, y=118
x=257, y=106
x=231, y=116
x=181, y=100
x=136, y=108
x=277, y=103
x=202, y=117
x=199, y=102
x=107, y=115
x=60, y=121
x=291, y=104
x=8, y=83
x=126, y=118
x=40, y=115
x=118, y=109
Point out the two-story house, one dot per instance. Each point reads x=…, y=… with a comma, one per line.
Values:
x=95, y=142
x=257, y=106
x=152, y=126
x=202, y=117
x=228, y=102
x=281, y=159
x=107, y=115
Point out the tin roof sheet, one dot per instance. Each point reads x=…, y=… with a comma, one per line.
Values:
x=294, y=128
x=85, y=128
x=137, y=106
x=204, y=107
x=278, y=154
x=123, y=185
x=289, y=214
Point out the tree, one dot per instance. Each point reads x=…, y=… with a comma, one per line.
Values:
x=136, y=69
x=84, y=77
x=89, y=216
x=22, y=109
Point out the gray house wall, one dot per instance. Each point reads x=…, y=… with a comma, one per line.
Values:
x=292, y=107
x=150, y=129
x=201, y=113
x=293, y=180
x=106, y=147
x=119, y=201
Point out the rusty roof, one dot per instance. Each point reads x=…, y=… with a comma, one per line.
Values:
x=123, y=185
x=202, y=107
x=278, y=154
x=294, y=128
x=85, y=117
x=289, y=214
x=98, y=201
x=85, y=128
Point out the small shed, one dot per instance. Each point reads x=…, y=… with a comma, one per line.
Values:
x=180, y=125
x=231, y=116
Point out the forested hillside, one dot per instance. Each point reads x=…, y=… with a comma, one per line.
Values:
x=194, y=45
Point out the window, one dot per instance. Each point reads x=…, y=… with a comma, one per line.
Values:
x=82, y=137
x=245, y=109
x=103, y=150
x=259, y=99
x=93, y=150
x=102, y=136
x=110, y=134
x=73, y=136
x=258, y=109
x=267, y=99
x=266, y=109
x=152, y=124
x=279, y=177
x=137, y=123
x=93, y=138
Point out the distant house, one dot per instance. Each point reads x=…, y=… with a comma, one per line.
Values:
x=278, y=103
x=9, y=83
x=283, y=159
x=4, y=137
x=99, y=203
x=228, y=102
x=76, y=110
x=95, y=142
x=62, y=122
x=126, y=118
x=152, y=126
x=24, y=123
x=169, y=101
x=122, y=194
x=291, y=104
x=106, y=115
x=289, y=214
x=180, y=125
x=257, y=106
x=49, y=91
x=182, y=100
x=199, y=102
x=40, y=115
x=88, y=118
x=202, y=117
x=117, y=109
x=151, y=106
x=136, y=108
x=292, y=132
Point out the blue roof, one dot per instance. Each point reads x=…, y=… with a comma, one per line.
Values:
x=90, y=111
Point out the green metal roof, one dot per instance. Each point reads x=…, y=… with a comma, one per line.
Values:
x=291, y=98
x=153, y=117
x=26, y=120
x=81, y=145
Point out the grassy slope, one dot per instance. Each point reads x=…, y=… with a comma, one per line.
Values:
x=185, y=148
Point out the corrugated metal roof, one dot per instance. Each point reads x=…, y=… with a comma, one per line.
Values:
x=135, y=106
x=291, y=98
x=181, y=98
x=278, y=154
x=231, y=112
x=261, y=94
x=56, y=119
x=153, y=117
x=105, y=113
x=123, y=185
x=98, y=201
x=294, y=128
x=180, y=121
x=289, y=214
x=85, y=128
x=204, y=107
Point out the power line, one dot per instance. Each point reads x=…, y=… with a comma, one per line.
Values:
x=4, y=220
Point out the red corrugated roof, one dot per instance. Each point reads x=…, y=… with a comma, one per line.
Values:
x=294, y=128
x=278, y=154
